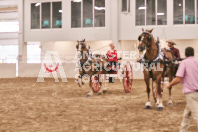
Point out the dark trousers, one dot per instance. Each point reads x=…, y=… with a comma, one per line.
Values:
x=112, y=63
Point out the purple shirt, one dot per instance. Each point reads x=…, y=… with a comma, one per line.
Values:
x=176, y=52
x=188, y=70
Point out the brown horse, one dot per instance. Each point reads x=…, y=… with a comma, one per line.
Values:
x=90, y=68
x=156, y=70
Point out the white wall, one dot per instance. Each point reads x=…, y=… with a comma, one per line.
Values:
x=7, y=70
x=8, y=3
x=66, y=33
x=8, y=16
x=182, y=44
x=67, y=49
x=126, y=25
x=129, y=31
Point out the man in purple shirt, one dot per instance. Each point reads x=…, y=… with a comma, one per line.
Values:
x=188, y=75
x=173, y=49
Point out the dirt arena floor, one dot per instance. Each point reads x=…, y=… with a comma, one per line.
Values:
x=27, y=106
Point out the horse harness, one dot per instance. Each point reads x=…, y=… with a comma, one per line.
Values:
x=166, y=61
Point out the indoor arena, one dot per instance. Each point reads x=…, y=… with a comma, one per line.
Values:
x=99, y=65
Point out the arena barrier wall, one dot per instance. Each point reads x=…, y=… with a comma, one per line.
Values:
x=8, y=70
x=32, y=70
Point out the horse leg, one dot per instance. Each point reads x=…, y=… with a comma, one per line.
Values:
x=148, y=103
x=82, y=81
x=159, y=94
x=100, y=79
x=170, y=102
x=78, y=80
x=104, y=86
x=161, y=88
x=103, y=89
x=90, y=86
x=154, y=89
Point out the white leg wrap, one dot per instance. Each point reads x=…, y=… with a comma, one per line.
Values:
x=148, y=103
x=161, y=105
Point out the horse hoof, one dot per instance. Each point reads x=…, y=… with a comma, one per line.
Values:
x=170, y=104
x=160, y=108
x=104, y=91
x=99, y=93
x=88, y=95
x=147, y=107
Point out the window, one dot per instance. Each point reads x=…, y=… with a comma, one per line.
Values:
x=48, y=20
x=8, y=53
x=76, y=14
x=146, y=13
x=125, y=5
x=87, y=13
x=184, y=14
x=189, y=12
x=150, y=12
x=161, y=12
x=57, y=15
x=99, y=13
x=197, y=11
x=46, y=15
x=178, y=12
x=140, y=12
x=35, y=15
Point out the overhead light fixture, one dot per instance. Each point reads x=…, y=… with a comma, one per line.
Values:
x=141, y=8
x=77, y=0
x=160, y=14
x=60, y=11
x=99, y=8
x=37, y=4
x=180, y=4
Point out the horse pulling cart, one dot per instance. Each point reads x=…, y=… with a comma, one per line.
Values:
x=96, y=66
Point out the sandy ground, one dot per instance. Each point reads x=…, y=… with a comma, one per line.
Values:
x=63, y=107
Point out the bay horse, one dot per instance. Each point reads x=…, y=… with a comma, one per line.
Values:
x=90, y=67
x=164, y=67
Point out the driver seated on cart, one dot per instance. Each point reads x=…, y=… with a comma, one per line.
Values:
x=113, y=61
x=112, y=57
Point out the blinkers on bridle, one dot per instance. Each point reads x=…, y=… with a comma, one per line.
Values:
x=81, y=47
x=144, y=45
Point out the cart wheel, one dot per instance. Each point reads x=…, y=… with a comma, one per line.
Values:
x=128, y=77
x=95, y=84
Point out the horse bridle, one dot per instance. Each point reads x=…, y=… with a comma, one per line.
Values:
x=81, y=43
x=146, y=43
